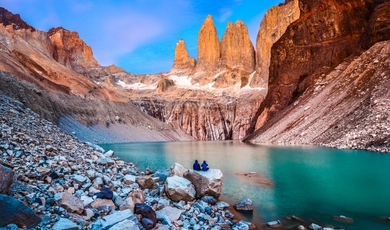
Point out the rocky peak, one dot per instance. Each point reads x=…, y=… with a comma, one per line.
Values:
x=272, y=27
x=208, y=47
x=183, y=63
x=8, y=18
x=237, y=50
x=70, y=50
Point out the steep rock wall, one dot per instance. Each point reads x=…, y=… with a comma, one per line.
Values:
x=272, y=27
x=183, y=64
x=327, y=32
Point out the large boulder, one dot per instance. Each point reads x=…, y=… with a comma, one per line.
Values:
x=16, y=212
x=6, y=178
x=178, y=188
x=136, y=196
x=206, y=182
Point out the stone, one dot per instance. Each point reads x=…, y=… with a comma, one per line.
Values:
x=6, y=178
x=169, y=214
x=241, y=225
x=178, y=188
x=109, y=153
x=69, y=202
x=111, y=220
x=177, y=170
x=149, y=218
x=136, y=196
x=210, y=200
x=206, y=182
x=16, y=212
x=129, y=179
x=86, y=200
x=125, y=225
x=65, y=224
x=145, y=182
x=79, y=178
x=103, y=204
x=315, y=226
x=244, y=205
x=43, y=170
x=105, y=193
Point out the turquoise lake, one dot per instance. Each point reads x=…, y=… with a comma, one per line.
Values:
x=311, y=183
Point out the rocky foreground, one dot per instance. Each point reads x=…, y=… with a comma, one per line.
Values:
x=52, y=180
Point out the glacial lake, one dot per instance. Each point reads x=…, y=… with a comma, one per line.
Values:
x=312, y=183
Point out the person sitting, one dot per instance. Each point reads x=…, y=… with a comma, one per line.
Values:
x=196, y=166
x=204, y=166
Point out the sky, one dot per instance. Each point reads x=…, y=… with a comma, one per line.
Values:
x=139, y=35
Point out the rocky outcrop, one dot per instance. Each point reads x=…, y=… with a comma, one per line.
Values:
x=70, y=50
x=164, y=84
x=208, y=52
x=8, y=18
x=183, y=64
x=272, y=27
x=310, y=47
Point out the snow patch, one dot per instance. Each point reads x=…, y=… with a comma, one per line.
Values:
x=137, y=85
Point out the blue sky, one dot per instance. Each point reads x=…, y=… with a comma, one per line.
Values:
x=139, y=35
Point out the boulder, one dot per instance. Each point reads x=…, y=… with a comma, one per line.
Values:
x=103, y=204
x=16, y=212
x=149, y=218
x=6, y=178
x=129, y=179
x=69, y=202
x=65, y=224
x=137, y=196
x=178, y=188
x=111, y=220
x=105, y=193
x=244, y=205
x=206, y=182
x=177, y=170
x=145, y=182
x=169, y=214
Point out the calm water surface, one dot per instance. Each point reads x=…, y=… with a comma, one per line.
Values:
x=312, y=183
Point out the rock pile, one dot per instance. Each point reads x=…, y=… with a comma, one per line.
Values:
x=64, y=183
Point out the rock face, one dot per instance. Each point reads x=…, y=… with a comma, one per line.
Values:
x=16, y=212
x=272, y=27
x=237, y=54
x=183, y=63
x=311, y=46
x=208, y=183
x=208, y=51
x=6, y=178
x=378, y=28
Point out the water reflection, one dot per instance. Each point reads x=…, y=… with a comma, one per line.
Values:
x=313, y=183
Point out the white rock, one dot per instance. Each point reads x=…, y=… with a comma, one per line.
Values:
x=177, y=170
x=169, y=214
x=206, y=182
x=178, y=188
x=111, y=220
x=64, y=223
